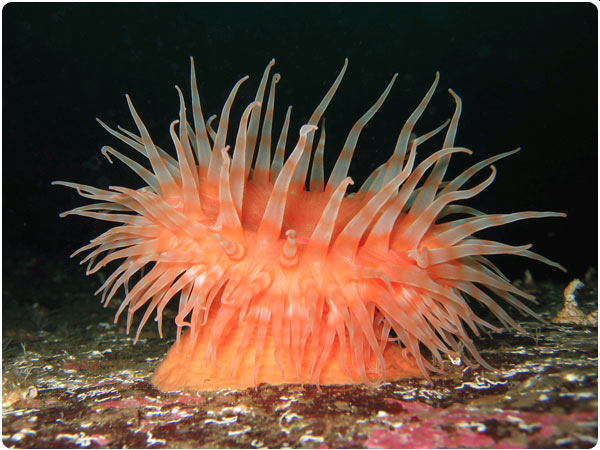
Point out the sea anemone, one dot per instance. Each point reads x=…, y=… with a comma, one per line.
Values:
x=278, y=282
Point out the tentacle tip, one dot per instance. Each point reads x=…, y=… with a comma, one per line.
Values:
x=225, y=154
x=104, y=151
x=306, y=129
x=454, y=94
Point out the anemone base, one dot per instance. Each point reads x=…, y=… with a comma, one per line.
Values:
x=187, y=367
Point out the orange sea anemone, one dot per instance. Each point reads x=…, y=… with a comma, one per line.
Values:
x=279, y=283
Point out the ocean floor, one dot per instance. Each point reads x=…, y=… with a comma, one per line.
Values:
x=71, y=378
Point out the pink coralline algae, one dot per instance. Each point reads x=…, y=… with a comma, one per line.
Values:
x=423, y=426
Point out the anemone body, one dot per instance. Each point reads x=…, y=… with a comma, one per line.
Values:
x=280, y=283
